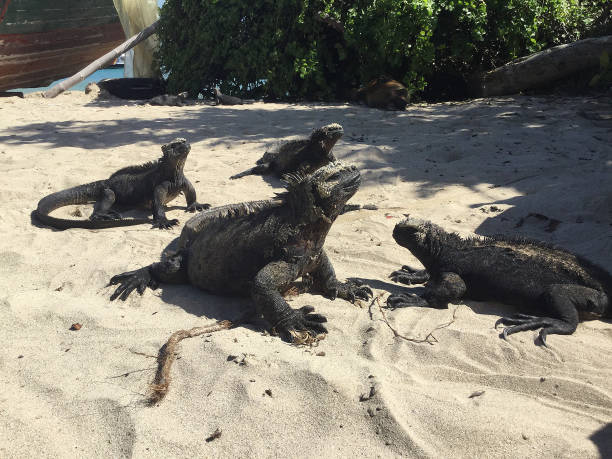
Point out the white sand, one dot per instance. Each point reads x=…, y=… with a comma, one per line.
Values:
x=78, y=393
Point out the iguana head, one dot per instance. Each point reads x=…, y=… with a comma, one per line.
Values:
x=421, y=237
x=326, y=137
x=176, y=152
x=322, y=194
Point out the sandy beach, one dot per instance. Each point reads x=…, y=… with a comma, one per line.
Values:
x=535, y=166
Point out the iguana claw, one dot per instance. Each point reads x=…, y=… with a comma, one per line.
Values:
x=129, y=281
x=164, y=223
x=353, y=290
x=298, y=320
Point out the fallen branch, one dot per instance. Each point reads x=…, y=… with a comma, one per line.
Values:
x=159, y=387
x=542, y=68
x=416, y=340
x=101, y=62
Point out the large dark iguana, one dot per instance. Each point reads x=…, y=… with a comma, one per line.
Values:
x=301, y=155
x=523, y=272
x=152, y=184
x=259, y=248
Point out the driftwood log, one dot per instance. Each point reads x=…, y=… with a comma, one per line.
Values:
x=542, y=68
x=101, y=62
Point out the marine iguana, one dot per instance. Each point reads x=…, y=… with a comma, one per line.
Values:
x=223, y=99
x=384, y=93
x=259, y=248
x=152, y=184
x=516, y=271
x=179, y=100
x=301, y=155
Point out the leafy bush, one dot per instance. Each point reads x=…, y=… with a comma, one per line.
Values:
x=322, y=49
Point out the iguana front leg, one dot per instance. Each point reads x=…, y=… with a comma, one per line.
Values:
x=447, y=288
x=190, y=197
x=407, y=275
x=102, y=207
x=160, y=196
x=563, y=301
x=268, y=283
x=324, y=279
x=171, y=271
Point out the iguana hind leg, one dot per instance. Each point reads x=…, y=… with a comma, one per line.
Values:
x=564, y=302
x=102, y=207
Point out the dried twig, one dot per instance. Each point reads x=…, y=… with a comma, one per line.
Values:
x=126, y=374
x=374, y=300
x=429, y=339
x=143, y=354
x=304, y=338
x=216, y=434
x=159, y=387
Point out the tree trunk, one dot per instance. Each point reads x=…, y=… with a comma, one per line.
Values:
x=101, y=62
x=540, y=69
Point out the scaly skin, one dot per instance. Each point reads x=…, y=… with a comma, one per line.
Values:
x=259, y=248
x=530, y=274
x=222, y=99
x=152, y=184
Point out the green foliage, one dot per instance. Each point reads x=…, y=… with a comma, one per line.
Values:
x=322, y=49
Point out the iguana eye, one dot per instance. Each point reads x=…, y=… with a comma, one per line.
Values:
x=336, y=176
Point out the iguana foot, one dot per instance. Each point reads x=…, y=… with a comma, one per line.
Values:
x=196, y=207
x=523, y=322
x=108, y=215
x=300, y=320
x=129, y=281
x=408, y=276
x=351, y=207
x=352, y=290
x=403, y=300
x=164, y=223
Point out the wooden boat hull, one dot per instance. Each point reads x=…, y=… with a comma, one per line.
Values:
x=43, y=41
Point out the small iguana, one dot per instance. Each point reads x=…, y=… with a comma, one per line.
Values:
x=170, y=100
x=152, y=184
x=301, y=155
x=222, y=99
x=523, y=272
x=259, y=248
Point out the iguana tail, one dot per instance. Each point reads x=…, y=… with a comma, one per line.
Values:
x=81, y=194
x=260, y=169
